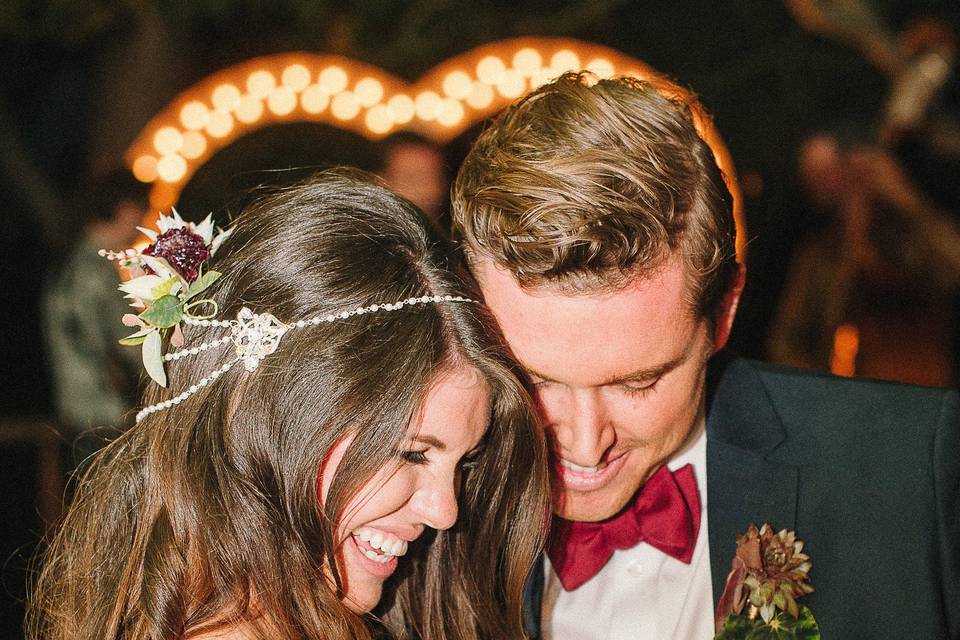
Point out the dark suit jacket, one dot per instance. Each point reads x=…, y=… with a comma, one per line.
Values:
x=868, y=475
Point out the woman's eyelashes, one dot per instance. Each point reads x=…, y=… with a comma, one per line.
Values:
x=414, y=456
x=419, y=457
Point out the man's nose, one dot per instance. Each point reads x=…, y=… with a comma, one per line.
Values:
x=435, y=501
x=583, y=430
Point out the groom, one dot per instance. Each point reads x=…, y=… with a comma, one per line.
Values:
x=602, y=235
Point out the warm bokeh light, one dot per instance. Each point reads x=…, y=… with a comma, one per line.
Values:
x=427, y=105
x=450, y=112
x=220, y=125
x=333, y=79
x=457, y=85
x=145, y=168
x=378, y=119
x=527, y=61
x=564, y=60
x=490, y=70
x=369, y=91
x=345, y=106
x=402, y=108
x=249, y=110
x=601, y=67
x=282, y=100
x=512, y=84
x=481, y=95
x=314, y=99
x=171, y=168
x=296, y=77
x=260, y=83
x=194, y=115
x=194, y=144
x=225, y=97
x=167, y=140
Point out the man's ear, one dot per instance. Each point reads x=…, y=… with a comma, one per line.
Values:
x=728, y=309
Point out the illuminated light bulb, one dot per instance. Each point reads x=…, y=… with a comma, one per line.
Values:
x=249, y=110
x=427, y=105
x=260, y=83
x=225, y=98
x=296, y=77
x=527, y=61
x=402, y=108
x=565, y=60
x=542, y=77
x=491, y=69
x=450, y=113
x=145, y=168
x=167, y=140
x=194, y=144
x=512, y=85
x=333, y=79
x=171, y=168
x=457, y=85
x=481, y=95
x=314, y=99
x=369, y=91
x=378, y=119
x=194, y=115
x=345, y=106
x=282, y=101
x=220, y=125
x=601, y=67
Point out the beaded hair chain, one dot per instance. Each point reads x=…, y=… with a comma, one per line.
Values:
x=257, y=335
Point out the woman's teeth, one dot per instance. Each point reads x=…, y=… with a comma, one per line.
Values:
x=384, y=546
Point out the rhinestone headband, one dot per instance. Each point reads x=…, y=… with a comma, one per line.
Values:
x=257, y=335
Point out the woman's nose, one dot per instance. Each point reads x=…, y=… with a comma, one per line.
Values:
x=435, y=501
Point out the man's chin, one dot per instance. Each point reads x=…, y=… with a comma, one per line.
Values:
x=586, y=508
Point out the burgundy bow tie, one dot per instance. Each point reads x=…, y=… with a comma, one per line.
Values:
x=665, y=514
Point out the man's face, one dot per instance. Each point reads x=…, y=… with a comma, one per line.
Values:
x=619, y=377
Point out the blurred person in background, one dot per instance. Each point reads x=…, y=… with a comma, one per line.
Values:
x=95, y=378
x=415, y=168
x=868, y=291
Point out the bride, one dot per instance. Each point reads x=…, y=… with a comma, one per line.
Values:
x=341, y=450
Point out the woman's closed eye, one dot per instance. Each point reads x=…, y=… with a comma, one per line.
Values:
x=414, y=456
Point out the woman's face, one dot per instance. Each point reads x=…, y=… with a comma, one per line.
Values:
x=420, y=491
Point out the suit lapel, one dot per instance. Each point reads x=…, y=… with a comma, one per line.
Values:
x=747, y=482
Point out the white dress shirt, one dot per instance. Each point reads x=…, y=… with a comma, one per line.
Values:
x=641, y=593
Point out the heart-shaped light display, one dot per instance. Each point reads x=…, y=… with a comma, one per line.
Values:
x=338, y=91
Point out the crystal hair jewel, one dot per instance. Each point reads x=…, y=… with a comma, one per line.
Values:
x=257, y=335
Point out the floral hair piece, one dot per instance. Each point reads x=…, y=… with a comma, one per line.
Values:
x=169, y=278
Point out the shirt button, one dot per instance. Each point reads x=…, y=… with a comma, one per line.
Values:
x=635, y=569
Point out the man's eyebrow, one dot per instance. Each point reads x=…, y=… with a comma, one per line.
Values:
x=650, y=373
x=430, y=440
x=640, y=374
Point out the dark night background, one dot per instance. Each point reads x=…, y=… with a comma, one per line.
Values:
x=81, y=78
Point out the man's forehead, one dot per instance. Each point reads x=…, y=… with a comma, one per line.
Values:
x=592, y=337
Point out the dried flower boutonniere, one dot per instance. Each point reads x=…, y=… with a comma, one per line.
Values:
x=168, y=278
x=760, y=598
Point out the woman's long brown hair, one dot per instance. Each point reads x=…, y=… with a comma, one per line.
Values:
x=206, y=515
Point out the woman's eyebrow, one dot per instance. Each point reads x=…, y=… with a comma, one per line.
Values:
x=430, y=440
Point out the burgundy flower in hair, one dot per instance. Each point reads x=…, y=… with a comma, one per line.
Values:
x=183, y=249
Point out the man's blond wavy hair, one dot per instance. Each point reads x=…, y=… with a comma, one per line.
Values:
x=585, y=185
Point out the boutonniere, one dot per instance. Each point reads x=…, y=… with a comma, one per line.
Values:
x=759, y=600
x=168, y=278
